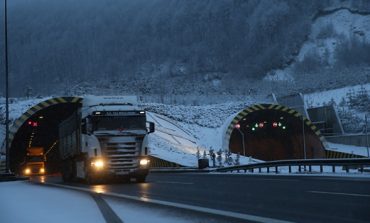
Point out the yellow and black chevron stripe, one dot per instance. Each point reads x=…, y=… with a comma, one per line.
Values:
x=42, y=105
x=156, y=162
x=258, y=107
x=330, y=154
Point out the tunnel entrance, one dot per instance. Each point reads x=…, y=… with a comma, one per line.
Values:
x=40, y=130
x=268, y=133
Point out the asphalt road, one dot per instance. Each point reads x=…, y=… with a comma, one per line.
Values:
x=290, y=198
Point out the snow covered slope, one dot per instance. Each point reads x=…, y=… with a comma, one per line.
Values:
x=336, y=95
x=328, y=32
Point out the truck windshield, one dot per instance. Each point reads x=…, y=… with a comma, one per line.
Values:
x=118, y=122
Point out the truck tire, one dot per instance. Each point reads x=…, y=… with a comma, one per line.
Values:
x=67, y=171
x=89, y=179
x=140, y=179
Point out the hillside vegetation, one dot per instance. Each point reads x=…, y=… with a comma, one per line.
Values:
x=161, y=47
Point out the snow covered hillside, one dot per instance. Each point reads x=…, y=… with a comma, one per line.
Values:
x=336, y=49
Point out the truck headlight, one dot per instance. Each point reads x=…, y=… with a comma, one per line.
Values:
x=144, y=162
x=27, y=171
x=42, y=170
x=98, y=164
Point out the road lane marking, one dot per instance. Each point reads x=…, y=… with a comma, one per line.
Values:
x=173, y=182
x=248, y=217
x=109, y=215
x=338, y=193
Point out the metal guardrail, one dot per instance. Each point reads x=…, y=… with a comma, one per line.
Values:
x=346, y=164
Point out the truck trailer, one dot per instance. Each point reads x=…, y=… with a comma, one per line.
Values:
x=106, y=138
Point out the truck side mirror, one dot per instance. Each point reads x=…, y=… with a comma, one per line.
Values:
x=151, y=127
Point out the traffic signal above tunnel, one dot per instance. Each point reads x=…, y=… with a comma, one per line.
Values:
x=33, y=123
x=265, y=125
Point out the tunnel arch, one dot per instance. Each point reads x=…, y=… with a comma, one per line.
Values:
x=47, y=114
x=36, y=108
x=316, y=142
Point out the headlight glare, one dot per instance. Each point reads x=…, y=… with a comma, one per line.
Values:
x=144, y=162
x=98, y=164
x=27, y=171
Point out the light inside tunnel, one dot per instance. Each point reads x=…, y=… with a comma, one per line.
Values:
x=40, y=130
x=275, y=135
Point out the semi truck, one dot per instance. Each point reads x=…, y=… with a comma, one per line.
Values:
x=106, y=138
x=34, y=163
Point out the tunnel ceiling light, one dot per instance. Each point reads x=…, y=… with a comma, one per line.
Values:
x=256, y=125
x=253, y=129
x=280, y=124
x=284, y=127
x=41, y=117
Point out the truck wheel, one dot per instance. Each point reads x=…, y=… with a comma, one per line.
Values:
x=140, y=179
x=67, y=171
x=90, y=179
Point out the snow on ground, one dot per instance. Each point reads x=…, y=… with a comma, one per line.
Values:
x=319, y=98
x=133, y=212
x=357, y=150
x=24, y=202
x=179, y=142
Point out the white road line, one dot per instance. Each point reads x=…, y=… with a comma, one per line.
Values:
x=173, y=182
x=280, y=179
x=247, y=217
x=337, y=193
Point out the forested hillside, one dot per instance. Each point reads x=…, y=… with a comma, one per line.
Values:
x=157, y=46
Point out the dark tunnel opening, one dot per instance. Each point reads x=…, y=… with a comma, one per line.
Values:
x=275, y=135
x=40, y=130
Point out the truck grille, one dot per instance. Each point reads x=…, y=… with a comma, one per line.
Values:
x=122, y=153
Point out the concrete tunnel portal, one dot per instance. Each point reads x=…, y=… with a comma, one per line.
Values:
x=268, y=132
x=274, y=132
x=38, y=127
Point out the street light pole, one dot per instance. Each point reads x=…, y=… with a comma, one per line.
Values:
x=243, y=143
x=304, y=139
x=367, y=136
x=6, y=86
x=237, y=126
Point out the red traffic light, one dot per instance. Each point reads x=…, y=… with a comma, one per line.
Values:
x=33, y=124
x=274, y=124
x=261, y=125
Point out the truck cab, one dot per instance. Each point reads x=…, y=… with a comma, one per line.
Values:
x=35, y=162
x=109, y=140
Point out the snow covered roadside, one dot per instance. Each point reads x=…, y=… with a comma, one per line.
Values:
x=133, y=212
x=357, y=150
x=24, y=202
x=178, y=142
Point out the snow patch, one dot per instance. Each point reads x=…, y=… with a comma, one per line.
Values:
x=24, y=202
x=320, y=98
